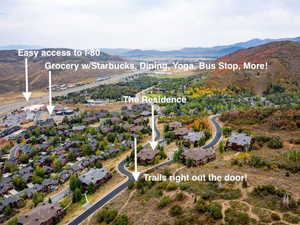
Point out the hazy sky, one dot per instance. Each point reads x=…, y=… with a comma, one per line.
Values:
x=159, y=24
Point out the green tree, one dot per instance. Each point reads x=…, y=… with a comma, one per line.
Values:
x=37, y=198
x=57, y=165
x=87, y=149
x=71, y=156
x=19, y=183
x=221, y=147
x=8, y=211
x=177, y=155
x=75, y=183
x=10, y=166
x=77, y=195
x=39, y=171
x=91, y=188
x=24, y=158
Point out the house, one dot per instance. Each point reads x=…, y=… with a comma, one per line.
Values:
x=147, y=156
x=43, y=214
x=180, y=132
x=64, y=176
x=17, y=150
x=175, y=125
x=145, y=113
x=78, y=128
x=49, y=184
x=101, y=114
x=138, y=121
x=6, y=185
x=136, y=128
x=239, y=142
x=36, y=188
x=115, y=120
x=48, y=122
x=90, y=120
x=14, y=201
x=95, y=176
x=198, y=156
x=26, y=173
x=76, y=167
x=192, y=138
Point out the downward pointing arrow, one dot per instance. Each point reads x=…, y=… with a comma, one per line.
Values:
x=153, y=143
x=26, y=94
x=50, y=107
x=135, y=174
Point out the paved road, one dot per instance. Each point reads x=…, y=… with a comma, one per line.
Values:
x=59, y=196
x=123, y=170
x=218, y=133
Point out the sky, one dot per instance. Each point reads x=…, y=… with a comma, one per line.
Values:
x=145, y=24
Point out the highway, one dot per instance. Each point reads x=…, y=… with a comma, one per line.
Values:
x=122, y=169
x=44, y=99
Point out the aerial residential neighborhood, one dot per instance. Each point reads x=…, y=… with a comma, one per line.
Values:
x=149, y=112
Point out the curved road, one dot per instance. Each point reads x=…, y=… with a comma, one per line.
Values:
x=124, y=171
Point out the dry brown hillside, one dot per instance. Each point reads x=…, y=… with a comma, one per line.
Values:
x=12, y=78
x=283, y=68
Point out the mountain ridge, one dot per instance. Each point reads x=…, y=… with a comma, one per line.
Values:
x=283, y=58
x=214, y=52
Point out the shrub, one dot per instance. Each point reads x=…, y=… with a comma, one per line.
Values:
x=226, y=131
x=234, y=217
x=162, y=185
x=176, y=210
x=179, y=196
x=290, y=218
x=106, y=215
x=13, y=221
x=275, y=216
x=295, y=141
x=201, y=206
x=121, y=220
x=275, y=143
x=91, y=188
x=131, y=185
x=257, y=162
x=171, y=187
x=215, y=210
x=164, y=201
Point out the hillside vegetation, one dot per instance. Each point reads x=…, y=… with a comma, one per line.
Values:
x=283, y=60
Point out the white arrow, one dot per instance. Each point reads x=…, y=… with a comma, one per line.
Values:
x=50, y=107
x=26, y=94
x=135, y=174
x=153, y=143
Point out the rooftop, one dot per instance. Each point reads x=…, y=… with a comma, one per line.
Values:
x=41, y=214
x=240, y=139
x=93, y=175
